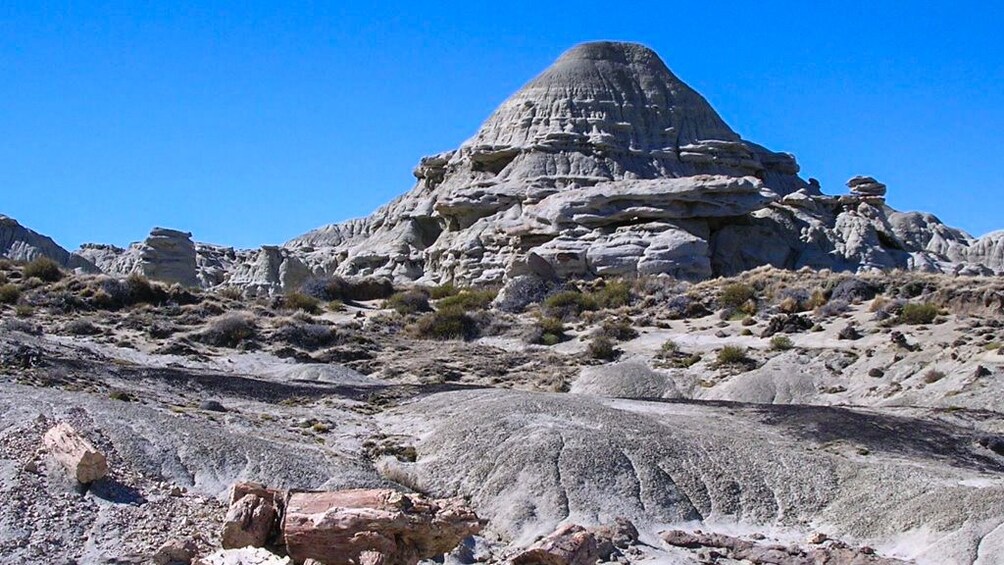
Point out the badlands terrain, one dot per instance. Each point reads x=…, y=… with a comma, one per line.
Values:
x=606, y=324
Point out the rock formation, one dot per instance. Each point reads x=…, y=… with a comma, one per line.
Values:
x=608, y=164
x=19, y=243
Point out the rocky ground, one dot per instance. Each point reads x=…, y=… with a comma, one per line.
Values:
x=775, y=417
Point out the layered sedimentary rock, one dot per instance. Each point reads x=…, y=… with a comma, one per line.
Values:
x=19, y=243
x=608, y=164
x=166, y=255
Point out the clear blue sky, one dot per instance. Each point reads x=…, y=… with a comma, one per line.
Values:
x=251, y=122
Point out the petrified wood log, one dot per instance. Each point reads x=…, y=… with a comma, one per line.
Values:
x=80, y=459
x=373, y=525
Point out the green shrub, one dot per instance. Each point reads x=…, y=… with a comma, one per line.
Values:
x=43, y=268
x=231, y=293
x=688, y=361
x=614, y=294
x=731, y=355
x=336, y=306
x=602, y=347
x=3, y=278
x=569, y=304
x=9, y=294
x=446, y=323
x=300, y=301
x=781, y=343
x=443, y=291
x=408, y=302
x=916, y=313
x=469, y=300
x=669, y=347
x=24, y=311
x=736, y=295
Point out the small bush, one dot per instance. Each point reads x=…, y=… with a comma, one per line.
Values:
x=688, y=361
x=618, y=330
x=933, y=376
x=336, y=306
x=24, y=311
x=548, y=331
x=469, y=300
x=9, y=294
x=408, y=302
x=229, y=330
x=444, y=324
x=736, y=295
x=43, y=268
x=231, y=293
x=602, y=347
x=569, y=304
x=613, y=294
x=3, y=278
x=669, y=347
x=443, y=291
x=832, y=308
x=302, y=302
x=732, y=355
x=307, y=336
x=781, y=343
x=81, y=327
x=915, y=313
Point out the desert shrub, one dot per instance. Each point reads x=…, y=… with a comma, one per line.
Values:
x=307, y=336
x=443, y=324
x=854, y=289
x=817, y=299
x=618, y=330
x=602, y=347
x=736, y=295
x=613, y=294
x=547, y=331
x=781, y=343
x=408, y=302
x=792, y=300
x=81, y=327
x=231, y=293
x=569, y=304
x=43, y=268
x=933, y=376
x=3, y=278
x=832, y=308
x=468, y=300
x=443, y=291
x=669, y=348
x=9, y=294
x=688, y=361
x=336, y=306
x=24, y=311
x=732, y=355
x=916, y=313
x=134, y=289
x=302, y=302
x=338, y=288
x=229, y=330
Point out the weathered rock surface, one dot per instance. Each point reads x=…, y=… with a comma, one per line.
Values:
x=19, y=243
x=747, y=551
x=390, y=527
x=75, y=454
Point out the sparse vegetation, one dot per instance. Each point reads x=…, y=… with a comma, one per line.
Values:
x=81, y=327
x=9, y=293
x=732, y=355
x=24, y=311
x=917, y=313
x=548, y=331
x=613, y=294
x=447, y=323
x=933, y=376
x=44, y=269
x=409, y=302
x=443, y=291
x=469, y=300
x=736, y=295
x=619, y=329
x=302, y=302
x=602, y=347
x=569, y=304
x=781, y=343
x=229, y=330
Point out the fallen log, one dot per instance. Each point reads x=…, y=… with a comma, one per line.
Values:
x=80, y=459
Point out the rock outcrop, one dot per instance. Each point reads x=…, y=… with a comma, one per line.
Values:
x=19, y=243
x=608, y=164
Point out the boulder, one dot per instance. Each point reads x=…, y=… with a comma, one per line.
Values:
x=250, y=521
x=176, y=552
x=169, y=256
x=75, y=454
x=866, y=187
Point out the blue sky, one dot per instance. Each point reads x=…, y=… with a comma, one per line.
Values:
x=251, y=122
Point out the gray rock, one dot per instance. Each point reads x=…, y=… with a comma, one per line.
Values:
x=521, y=291
x=169, y=256
x=23, y=244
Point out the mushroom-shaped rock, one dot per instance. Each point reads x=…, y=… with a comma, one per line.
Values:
x=866, y=187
